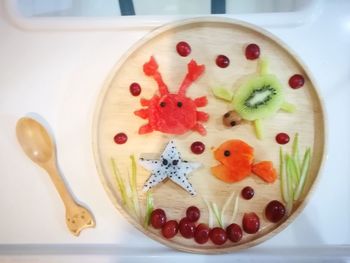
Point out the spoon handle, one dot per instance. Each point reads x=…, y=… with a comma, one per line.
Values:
x=60, y=185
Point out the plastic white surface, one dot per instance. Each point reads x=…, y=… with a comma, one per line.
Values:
x=58, y=74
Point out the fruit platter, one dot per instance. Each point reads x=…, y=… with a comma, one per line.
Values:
x=209, y=135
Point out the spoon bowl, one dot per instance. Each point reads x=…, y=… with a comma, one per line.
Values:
x=35, y=140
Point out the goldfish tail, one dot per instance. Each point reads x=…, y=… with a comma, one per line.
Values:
x=265, y=171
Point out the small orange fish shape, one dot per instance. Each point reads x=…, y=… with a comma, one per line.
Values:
x=236, y=163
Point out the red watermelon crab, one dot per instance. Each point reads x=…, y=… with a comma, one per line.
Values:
x=173, y=113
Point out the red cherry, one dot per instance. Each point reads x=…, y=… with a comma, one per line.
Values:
x=296, y=81
x=186, y=228
x=218, y=236
x=183, y=49
x=158, y=218
x=222, y=61
x=170, y=229
x=120, y=138
x=193, y=213
x=197, y=147
x=252, y=51
x=282, y=138
x=275, y=211
x=135, y=89
x=201, y=234
x=247, y=192
x=251, y=223
x=234, y=232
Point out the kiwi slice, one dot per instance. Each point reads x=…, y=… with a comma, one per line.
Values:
x=259, y=97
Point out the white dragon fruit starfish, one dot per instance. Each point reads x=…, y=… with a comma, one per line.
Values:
x=170, y=165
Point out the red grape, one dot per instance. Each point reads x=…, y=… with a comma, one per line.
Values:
x=197, y=147
x=296, y=81
x=170, y=229
x=218, y=236
x=135, y=89
x=193, y=213
x=234, y=232
x=120, y=138
x=186, y=228
x=252, y=51
x=158, y=218
x=247, y=192
x=282, y=138
x=251, y=223
x=183, y=49
x=222, y=61
x=201, y=234
x=275, y=211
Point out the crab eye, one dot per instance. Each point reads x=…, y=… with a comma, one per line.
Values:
x=227, y=153
x=175, y=162
x=179, y=104
x=165, y=162
x=162, y=104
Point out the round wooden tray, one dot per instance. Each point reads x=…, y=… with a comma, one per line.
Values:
x=208, y=38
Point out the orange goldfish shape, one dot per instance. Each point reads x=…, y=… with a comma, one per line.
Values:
x=236, y=158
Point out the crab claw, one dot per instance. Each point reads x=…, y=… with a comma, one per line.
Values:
x=150, y=67
x=193, y=72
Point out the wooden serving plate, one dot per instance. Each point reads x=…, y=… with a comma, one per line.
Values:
x=208, y=38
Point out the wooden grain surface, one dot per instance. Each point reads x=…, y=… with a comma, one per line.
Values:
x=208, y=38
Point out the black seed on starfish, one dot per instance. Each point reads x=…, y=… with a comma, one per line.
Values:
x=165, y=162
x=175, y=162
x=179, y=177
x=187, y=187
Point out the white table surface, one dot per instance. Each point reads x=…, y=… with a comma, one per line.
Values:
x=58, y=75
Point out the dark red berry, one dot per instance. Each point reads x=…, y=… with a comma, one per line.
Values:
x=296, y=81
x=170, y=229
x=193, y=213
x=282, y=138
x=218, y=236
x=222, y=61
x=275, y=211
x=234, y=232
x=183, y=49
x=158, y=218
x=186, y=228
x=201, y=234
x=251, y=223
x=247, y=192
x=135, y=89
x=197, y=147
x=120, y=138
x=252, y=51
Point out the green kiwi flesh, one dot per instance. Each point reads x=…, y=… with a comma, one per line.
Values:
x=259, y=97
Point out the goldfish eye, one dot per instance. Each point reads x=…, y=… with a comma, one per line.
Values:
x=162, y=104
x=179, y=104
x=227, y=153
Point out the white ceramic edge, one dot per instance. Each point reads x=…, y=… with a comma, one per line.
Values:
x=141, y=42
x=283, y=19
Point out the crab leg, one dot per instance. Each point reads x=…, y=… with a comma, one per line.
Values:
x=202, y=116
x=145, y=102
x=201, y=101
x=193, y=72
x=199, y=128
x=142, y=113
x=151, y=69
x=147, y=128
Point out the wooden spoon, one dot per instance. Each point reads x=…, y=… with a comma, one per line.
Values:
x=39, y=147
